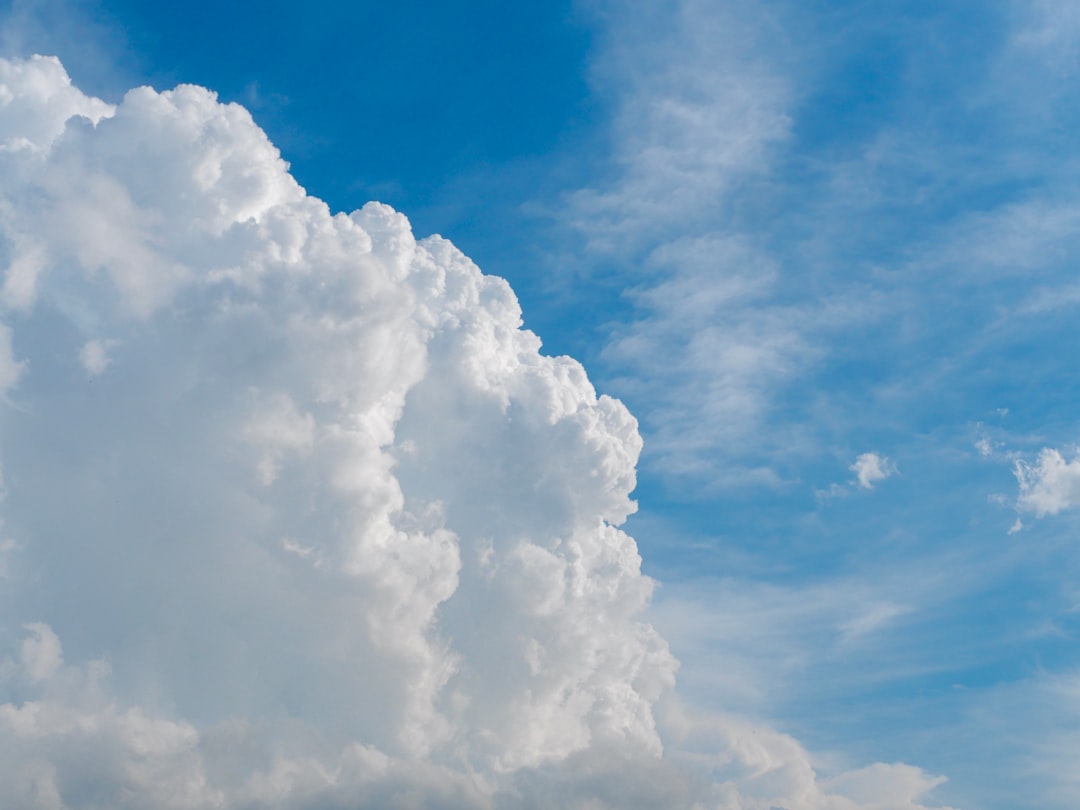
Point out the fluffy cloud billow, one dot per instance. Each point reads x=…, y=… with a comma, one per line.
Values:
x=295, y=513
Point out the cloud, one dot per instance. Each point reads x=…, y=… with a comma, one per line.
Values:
x=719, y=329
x=40, y=654
x=760, y=768
x=693, y=122
x=94, y=356
x=37, y=102
x=73, y=744
x=903, y=784
x=692, y=119
x=343, y=536
x=1050, y=485
x=709, y=330
x=791, y=225
x=762, y=646
x=911, y=184
x=283, y=378
x=869, y=468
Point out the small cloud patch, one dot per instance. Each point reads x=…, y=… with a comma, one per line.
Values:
x=1050, y=485
x=869, y=468
x=94, y=356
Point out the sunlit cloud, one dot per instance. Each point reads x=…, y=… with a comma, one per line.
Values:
x=303, y=517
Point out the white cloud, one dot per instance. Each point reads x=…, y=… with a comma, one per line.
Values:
x=275, y=358
x=344, y=535
x=74, y=744
x=40, y=655
x=901, y=786
x=1050, y=485
x=767, y=231
x=759, y=768
x=697, y=111
x=94, y=356
x=37, y=100
x=869, y=468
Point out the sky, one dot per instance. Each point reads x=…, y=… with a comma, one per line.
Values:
x=306, y=504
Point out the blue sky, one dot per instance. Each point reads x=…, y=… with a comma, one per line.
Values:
x=825, y=253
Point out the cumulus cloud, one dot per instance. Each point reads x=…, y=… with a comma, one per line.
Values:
x=71, y=743
x=38, y=100
x=1048, y=486
x=342, y=534
x=869, y=468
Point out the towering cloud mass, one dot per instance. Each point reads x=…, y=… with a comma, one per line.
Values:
x=296, y=514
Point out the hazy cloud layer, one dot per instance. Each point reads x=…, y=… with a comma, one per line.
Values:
x=297, y=515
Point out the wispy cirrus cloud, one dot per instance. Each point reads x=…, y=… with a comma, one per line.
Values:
x=795, y=258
